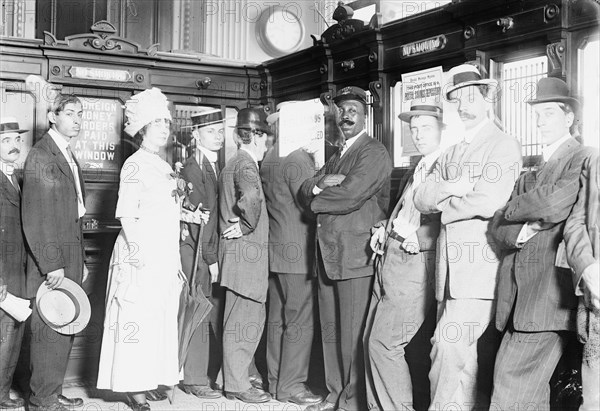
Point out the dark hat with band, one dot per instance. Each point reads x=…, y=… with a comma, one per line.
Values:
x=252, y=119
x=10, y=125
x=422, y=109
x=206, y=118
x=351, y=93
x=552, y=89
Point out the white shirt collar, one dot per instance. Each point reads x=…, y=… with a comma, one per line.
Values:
x=251, y=154
x=211, y=156
x=550, y=149
x=471, y=133
x=7, y=168
x=351, y=141
x=429, y=159
x=60, y=141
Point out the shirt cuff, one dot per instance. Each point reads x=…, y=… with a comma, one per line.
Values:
x=316, y=190
x=525, y=235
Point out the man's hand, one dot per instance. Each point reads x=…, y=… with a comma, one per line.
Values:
x=214, y=272
x=55, y=278
x=411, y=244
x=377, y=240
x=591, y=286
x=86, y=273
x=234, y=231
x=330, y=180
x=200, y=216
x=3, y=292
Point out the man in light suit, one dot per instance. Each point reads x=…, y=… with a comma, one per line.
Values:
x=582, y=240
x=52, y=210
x=404, y=296
x=201, y=169
x=537, y=305
x=291, y=258
x=12, y=256
x=243, y=255
x=476, y=178
x=349, y=195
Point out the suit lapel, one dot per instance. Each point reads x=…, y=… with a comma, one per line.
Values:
x=9, y=191
x=547, y=170
x=208, y=169
x=61, y=161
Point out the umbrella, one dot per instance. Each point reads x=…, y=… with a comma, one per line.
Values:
x=193, y=306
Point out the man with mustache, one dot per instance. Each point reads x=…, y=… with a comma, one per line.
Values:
x=475, y=179
x=202, y=170
x=53, y=207
x=12, y=255
x=349, y=195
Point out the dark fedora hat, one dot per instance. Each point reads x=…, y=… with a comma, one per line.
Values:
x=552, y=89
x=10, y=125
x=351, y=93
x=206, y=118
x=252, y=119
x=422, y=109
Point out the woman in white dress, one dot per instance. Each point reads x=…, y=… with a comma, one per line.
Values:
x=140, y=341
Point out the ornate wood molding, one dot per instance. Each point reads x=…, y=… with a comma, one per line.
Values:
x=556, y=57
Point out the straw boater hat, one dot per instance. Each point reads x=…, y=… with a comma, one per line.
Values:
x=206, y=118
x=66, y=309
x=10, y=125
x=351, y=93
x=419, y=108
x=552, y=89
x=467, y=75
x=144, y=108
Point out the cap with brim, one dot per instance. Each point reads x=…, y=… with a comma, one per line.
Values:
x=467, y=75
x=206, y=118
x=422, y=110
x=66, y=309
x=10, y=125
x=351, y=93
x=554, y=90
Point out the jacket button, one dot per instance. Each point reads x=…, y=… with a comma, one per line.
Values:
x=319, y=225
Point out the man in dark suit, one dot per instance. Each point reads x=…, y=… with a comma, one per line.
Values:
x=537, y=305
x=243, y=255
x=12, y=256
x=52, y=210
x=291, y=251
x=405, y=296
x=202, y=169
x=349, y=195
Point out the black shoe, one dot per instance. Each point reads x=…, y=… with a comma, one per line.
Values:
x=323, y=406
x=201, y=391
x=9, y=403
x=48, y=407
x=251, y=396
x=136, y=406
x=306, y=398
x=155, y=395
x=69, y=402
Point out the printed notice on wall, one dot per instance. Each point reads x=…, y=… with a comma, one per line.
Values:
x=98, y=144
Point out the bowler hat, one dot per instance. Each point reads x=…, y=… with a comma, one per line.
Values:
x=206, y=118
x=10, y=125
x=351, y=93
x=422, y=109
x=66, y=309
x=252, y=119
x=467, y=75
x=552, y=89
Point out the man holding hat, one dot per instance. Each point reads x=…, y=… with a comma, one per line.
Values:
x=202, y=170
x=349, y=195
x=12, y=255
x=291, y=285
x=475, y=179
x=537, y=301
x=52, y=210
x=404, y=298
x=243, y=256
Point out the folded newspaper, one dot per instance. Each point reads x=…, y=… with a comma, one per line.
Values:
x=16, y=307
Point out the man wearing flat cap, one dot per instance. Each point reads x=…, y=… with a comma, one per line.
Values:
x=349, y=195
x=202, y=170
x=475, y=179
x=243, y=255
x=12, y=255
x=405, y=297
x=537, y=301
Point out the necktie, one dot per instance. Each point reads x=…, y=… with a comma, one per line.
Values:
x=13, y=179
x=75, y=171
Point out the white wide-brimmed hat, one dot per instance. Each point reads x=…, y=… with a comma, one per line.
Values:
x=144, y=108
x=467, y=75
